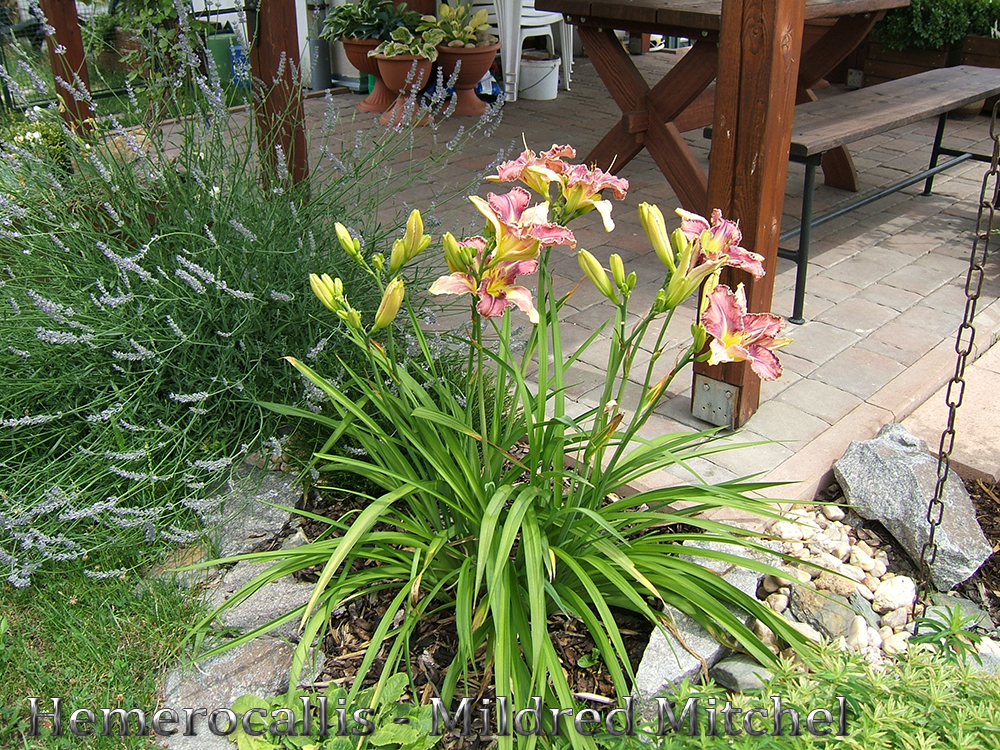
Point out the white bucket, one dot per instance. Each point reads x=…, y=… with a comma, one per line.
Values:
x=539, y=79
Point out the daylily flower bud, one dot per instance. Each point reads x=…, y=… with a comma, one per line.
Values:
x=351, y=245
x=595, y=272
x=656, y=230
x=453, y=254
x=413, y=243
x=350, y=316
x=660, y=306
x=700, y=336
x=630, y=282
x=618, y=271
x=326, y=289
x=378, y=260
x=392, y=298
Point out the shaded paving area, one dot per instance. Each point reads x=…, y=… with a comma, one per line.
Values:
x=884, y=298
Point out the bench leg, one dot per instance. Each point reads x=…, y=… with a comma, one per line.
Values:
x=802, y=257
x=935, y=152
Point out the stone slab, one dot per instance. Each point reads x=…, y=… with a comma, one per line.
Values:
x=977, y=448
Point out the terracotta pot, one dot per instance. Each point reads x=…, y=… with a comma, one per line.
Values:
x=475, y=62
x=395, y=72
x=380, y=98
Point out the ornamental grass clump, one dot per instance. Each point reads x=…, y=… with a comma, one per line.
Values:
x=496, y=511
x=150, y=282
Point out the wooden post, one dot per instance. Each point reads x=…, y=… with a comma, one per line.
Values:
x=274, y=62
x=65, y=46
x=754, y=103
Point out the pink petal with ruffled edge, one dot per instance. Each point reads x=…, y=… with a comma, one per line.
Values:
x=522, y=298
x=454, y=283
x=764, y=362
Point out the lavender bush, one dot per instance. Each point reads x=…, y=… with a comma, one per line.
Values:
x=147, y=296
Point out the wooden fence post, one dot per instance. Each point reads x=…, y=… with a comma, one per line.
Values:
x=274, y=61
x=65, y=46
x=760, y=45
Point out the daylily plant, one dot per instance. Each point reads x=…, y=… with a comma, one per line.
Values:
x=498, y=506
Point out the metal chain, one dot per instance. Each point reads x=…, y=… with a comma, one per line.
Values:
x=963, y=347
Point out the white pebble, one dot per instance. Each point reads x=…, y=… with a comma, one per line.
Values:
x=864, y=547
x=893, y=593
x=777, y=602
x=864, y=591
x=843, y=550
x=857, y=637
x=786, y=530
x=833, y=512
x=896, y=643
x=872, y=583
x=878, y=569
x=896, y=618
x=885, y=633
x=854, y=572
x=874, y=637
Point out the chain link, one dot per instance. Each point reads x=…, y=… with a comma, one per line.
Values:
x=963, y=348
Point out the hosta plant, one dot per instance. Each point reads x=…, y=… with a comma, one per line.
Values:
x=497, y=505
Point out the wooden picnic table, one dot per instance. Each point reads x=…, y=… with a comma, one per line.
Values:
x=654, y=117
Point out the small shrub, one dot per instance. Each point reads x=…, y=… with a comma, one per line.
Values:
x=147, y=299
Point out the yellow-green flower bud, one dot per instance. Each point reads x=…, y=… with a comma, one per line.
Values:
x=392, y=298
x=700, y=336
x=656, y=230
x=596, y=273
x=351, y=245
x=631, y=280
x=660, y=306
x=413, y=243
x=617, y=271
x=378, y=260
x=325, y=288
x=350, y=316
x=453, y=253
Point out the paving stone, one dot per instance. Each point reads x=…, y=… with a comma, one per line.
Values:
x=777, y=420
x=890, y=296
x=858, y=371
x=898, y=342
x=250, y=515
x=819, y=399
x=818, y=342
x=860, y=316
x=914, y=278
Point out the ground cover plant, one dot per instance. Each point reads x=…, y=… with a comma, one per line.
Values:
x=151, y=282
x=497, y=504
x=915, y=704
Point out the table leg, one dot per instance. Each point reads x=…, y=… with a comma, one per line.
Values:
x=817, y=62
x=647, y=114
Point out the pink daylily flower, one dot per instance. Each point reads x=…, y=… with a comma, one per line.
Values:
x=582, y=188
x=720, y=237
x=741, y=336
x=520, y=231
x=496, y=290
x=537, y=172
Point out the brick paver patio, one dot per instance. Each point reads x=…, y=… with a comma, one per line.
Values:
x=885, y=291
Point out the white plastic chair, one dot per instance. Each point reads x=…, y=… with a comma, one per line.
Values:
x=529, y=23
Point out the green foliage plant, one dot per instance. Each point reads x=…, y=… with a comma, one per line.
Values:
x=501, y=511
x=459, y=27
x=146, y=299
x=949, y=634
x=369, y=19
x=923, y=25
x=402, y=41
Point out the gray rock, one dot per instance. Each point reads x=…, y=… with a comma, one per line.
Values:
x=828, y=613
x=260, y=667
x=666, y=662
x=864, y=608
x=891, y=479
x=739, y=674
x=248, y=520
x=271, y=601
x=990, y=664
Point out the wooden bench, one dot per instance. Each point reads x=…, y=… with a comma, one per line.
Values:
x=846, y=118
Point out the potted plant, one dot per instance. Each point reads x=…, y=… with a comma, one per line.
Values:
x=465, y=38
x=404, y=62
x=360, y=27
x=922, y=36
